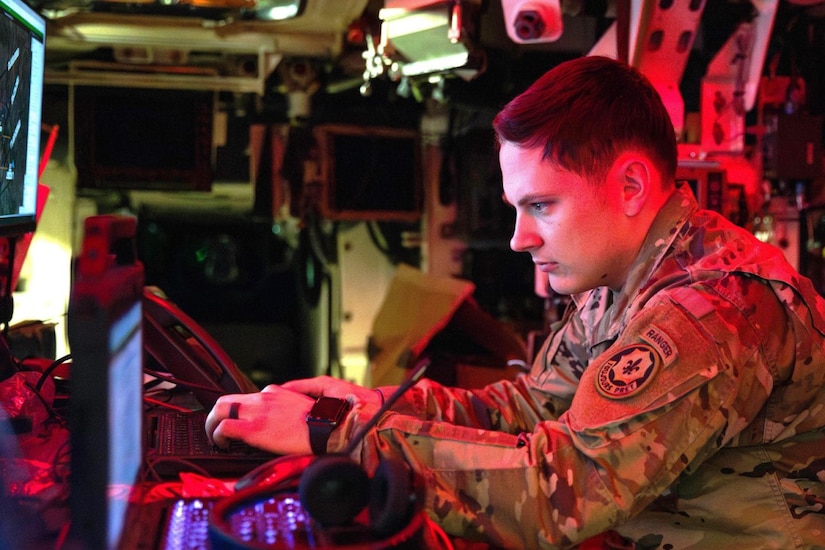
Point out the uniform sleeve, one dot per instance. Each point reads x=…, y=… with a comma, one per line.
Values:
x=687, y=375
x=506, y=406
x=512, y=407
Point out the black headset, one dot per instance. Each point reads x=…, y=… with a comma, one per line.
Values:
x=334, y=491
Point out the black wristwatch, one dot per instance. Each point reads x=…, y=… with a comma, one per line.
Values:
x=326, y=414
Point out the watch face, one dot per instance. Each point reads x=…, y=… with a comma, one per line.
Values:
x=328, y=409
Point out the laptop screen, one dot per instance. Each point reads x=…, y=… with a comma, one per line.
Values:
x=106, y=411
x=124, y=424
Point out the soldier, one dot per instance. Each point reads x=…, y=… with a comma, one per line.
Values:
x=680, y=401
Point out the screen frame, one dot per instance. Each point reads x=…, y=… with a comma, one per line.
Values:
x=95, y=172
x=105, y=331
x=374, y=205
x=24, y=220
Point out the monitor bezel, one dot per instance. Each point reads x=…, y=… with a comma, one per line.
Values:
x=193, y=112
x=398, y=179
x=25, y=220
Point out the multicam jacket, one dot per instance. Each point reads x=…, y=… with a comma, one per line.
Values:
x=685, y=411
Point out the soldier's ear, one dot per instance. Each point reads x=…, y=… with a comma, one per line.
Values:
x=634, y=175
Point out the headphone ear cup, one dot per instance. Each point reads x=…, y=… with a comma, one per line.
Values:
x=333, y=490
x=391, y=498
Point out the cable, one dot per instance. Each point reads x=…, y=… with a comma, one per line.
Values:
x=7, y=302
x=61, y=466
x=439, y=534
x=177, y=381
x=52, y=413
x=185, y=465
x=148, y=385
x=379, y=239
x=158, y=403
x=48, y=370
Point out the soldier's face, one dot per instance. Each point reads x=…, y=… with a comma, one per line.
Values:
x=576, y=231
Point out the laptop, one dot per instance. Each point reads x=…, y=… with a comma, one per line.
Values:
x=106, y=403
x=180, y=351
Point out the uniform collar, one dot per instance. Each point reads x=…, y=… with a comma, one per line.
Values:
x=663, y=231
x=606, y=309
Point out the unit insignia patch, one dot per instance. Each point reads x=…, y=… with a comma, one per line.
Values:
x=628, y=371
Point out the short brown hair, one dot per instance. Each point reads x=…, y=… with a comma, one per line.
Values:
x=586, y=111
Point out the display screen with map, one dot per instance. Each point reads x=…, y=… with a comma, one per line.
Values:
x=22, y=51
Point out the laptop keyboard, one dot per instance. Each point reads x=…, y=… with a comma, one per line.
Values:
x=177, y=440
x=183, y=435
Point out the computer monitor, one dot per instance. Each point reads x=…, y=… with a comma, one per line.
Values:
x=370, y=173
x=22, y=52
x=151, y=139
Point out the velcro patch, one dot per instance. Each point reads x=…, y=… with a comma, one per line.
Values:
x=628, y=371
x=661, y=341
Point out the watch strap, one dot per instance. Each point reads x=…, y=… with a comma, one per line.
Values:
x=323, y=418
x=319, y=437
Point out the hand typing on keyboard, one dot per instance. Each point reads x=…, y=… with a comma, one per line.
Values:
x=274, y=419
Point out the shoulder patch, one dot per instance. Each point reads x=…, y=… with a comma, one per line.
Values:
x=628, y=371
x=659, y=339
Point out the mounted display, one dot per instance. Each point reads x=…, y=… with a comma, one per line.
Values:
x=370, y=173
x=143, y=138
x=21, y=97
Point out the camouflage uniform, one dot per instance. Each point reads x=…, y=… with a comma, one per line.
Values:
x=686, y=411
